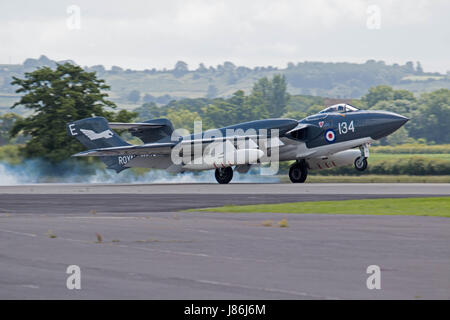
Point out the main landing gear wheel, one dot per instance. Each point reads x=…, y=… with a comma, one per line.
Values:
x=361, y=163
x=298, y=172
x=224, y=175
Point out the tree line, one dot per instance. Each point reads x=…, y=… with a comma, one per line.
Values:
x=429, y=113
x=67, y=92
x=338, y=79
x=268, y=99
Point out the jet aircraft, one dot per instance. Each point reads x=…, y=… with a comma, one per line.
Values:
x=337, y=136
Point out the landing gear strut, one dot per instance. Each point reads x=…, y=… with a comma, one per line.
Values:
x=224, y=175
x=361, y=162
x=298, y=172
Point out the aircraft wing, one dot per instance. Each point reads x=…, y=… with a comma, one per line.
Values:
x=165, y=148
x=150, y=131
x=145, y=149
x=251, y=141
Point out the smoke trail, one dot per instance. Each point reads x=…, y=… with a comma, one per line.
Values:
x=70, y=171
x=7, y=177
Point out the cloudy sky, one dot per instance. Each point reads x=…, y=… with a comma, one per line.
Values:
x=145, y=34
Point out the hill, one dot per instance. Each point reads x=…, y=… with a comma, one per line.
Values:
x=131, y=88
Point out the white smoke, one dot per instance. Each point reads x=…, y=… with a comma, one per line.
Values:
x=7, y=177
x=38, y=171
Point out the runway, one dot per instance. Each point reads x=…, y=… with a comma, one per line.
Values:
x=234, y=188
x=151, y=250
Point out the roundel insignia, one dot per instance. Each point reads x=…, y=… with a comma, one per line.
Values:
x=330, y=135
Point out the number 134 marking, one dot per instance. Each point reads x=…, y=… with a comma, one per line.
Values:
x=343, y=128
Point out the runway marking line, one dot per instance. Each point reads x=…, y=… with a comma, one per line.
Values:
x=296, y=293
x=19, y=233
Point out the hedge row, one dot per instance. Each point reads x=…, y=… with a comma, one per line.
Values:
x=412, y=148
x=415, y=165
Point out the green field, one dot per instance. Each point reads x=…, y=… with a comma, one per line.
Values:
x=371, y=178
x=423, y=78
x=434, y=206
x=375, y=157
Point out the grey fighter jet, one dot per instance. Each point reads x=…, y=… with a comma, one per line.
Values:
x=337, y=136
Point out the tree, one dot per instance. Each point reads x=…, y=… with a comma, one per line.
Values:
x=41, y=62
x=97, y=68
x=404, y=95
x=238, y=98
x=432, y=119
x=212, y=91
x=302, y=103
x=264, y=87
x=6, y=123
x=229, y=66
x=419, y=69
x=134, y=96
x=400, y=106
x=148, y=98
x=183, y=119
x=56, y=97
x=201, y=68
x=149, y=111
x=297, y=115
x=398, y=137
x=280, y=97
x=274, y=94
x=165, y=99
x=220, y=114
x=378, y=93
x=256, y=107
x=116, y=69
x=314, y=109
x=181, y=68
x=409, y=66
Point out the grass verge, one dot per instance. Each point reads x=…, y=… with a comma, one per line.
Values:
x=432, y=206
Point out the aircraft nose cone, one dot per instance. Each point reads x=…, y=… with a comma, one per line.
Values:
x=387, y=123
x=396, y=121
x=401, y=120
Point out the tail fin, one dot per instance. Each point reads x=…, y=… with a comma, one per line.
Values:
x=95, y=133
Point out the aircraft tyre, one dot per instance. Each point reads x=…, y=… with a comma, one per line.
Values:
x=361, y=163
x=224, y=175
x=298, y=172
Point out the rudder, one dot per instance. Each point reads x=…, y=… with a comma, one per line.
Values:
x=95, y=133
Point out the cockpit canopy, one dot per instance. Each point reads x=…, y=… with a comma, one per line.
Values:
x=342, y=107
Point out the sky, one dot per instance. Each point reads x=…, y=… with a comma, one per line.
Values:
x=145, y=34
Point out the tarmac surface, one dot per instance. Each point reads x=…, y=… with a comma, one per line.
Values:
x=151, y=250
